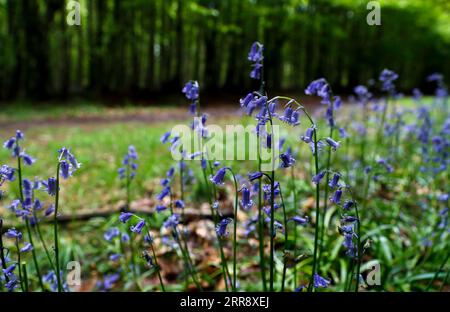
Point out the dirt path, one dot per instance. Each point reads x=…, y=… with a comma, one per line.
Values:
x=147, y=115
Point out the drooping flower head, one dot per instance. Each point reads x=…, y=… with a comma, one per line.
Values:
x=129, y=164
x=218, y=178
x=256, y=57
x=68, y=163
x=387, y=78
x=246, y=201
x=221, y=228
x=320, y=281
x=191, y=90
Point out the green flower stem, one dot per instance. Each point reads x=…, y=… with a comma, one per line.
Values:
x=55, y=230
x=294, y=190
x=19, y=265
x=234, y=287
x=44, y=245
x=286, y=236
x=316, y=164
x=158, y=268
x=438, y=271
x=359, y=249
x=186, y=259
x=215, y=220
x=25, y=276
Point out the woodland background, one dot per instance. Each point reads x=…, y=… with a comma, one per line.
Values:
x=136, y=49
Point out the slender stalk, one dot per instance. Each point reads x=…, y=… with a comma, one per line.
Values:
x=44, y=245
x=294, y=190
x=19, y=265
x=437, y=272
x=286, y=236
x=358, y=264
x=444, y=281
x=25, y=276
x=158, y=268
x=55, y=230
x=186, y=259
x=316, y=233
x=325, y=202
x=262, y=264
x=222, y=255
x=235, y=232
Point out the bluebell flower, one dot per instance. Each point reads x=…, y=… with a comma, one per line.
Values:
x=160, y=208
x=290, y=117
x=6, y=174
x=125, y=237
x=221, y=228
x=320, y=281
x=65, y=169
x=10, y=270
x=316, y=179
x=13, y=233
x=191, y=90
x=349, y=219
x=170, y=172
x=12, y=284
x=286, y=160
x=114, y=257
x=164, y=193
x=49, y=210
x=109, y=281
x=111, y=233
x=172, y=221
x=216, y=163
x=299, y=220
x=203, y=163
x=254, y=176
x=165, y=137
x=27, y=159
x=256, y=52
x=148, y=239
x=385, y=164
x=336, y=198
x=218, y=178
x=9, y=144
x=26, y=248
x=334, y=145
x=387, y=77
x=193, y=108
x=308, y=137
x=315, y=86
x=179, y=203
x=125, y=217
x=246, y=201
x=256, y=71
x=334, y=181
x=66, y=156
x=130, y=165
x=348, y=204
x=138, y=227
x=250, y=225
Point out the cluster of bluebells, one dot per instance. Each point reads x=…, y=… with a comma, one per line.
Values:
x=6, y=174
x=13, y=144
x=434, y=147
x=12, y=281
x=130, y=166
x=68, y=163
x=256, y=56
x=321, y=88
x=191, y=91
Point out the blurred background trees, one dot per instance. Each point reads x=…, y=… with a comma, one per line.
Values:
x=138, y=48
